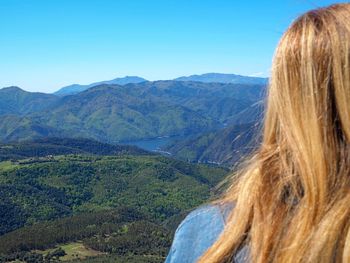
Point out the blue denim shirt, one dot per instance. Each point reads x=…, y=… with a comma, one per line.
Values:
x=198, y=231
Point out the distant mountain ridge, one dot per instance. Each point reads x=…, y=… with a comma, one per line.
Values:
x=76, y=88
x=224, y=78
x=206, y=78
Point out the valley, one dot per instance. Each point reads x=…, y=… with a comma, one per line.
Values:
x=106, y=172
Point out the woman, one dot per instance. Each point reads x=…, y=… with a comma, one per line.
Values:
x=292, y=201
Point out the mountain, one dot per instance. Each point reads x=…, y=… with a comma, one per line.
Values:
x=64, y=188
x=224, y=78
x=114, y=113
x=76, y=88
x=251, y=114
x=223, y=147
x=14, y=100
x=207, y=78
x=14, y=127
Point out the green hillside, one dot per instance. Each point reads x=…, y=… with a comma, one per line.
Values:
x=59, y=146
x=113, y=113
x=223, y=147
x=125, y=205
x=14, y=100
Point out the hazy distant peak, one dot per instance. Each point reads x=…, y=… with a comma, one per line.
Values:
x=223, y=78
x=76, y=88
x=12, y=88
x=206, y=78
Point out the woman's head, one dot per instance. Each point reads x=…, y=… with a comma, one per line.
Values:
x=308, y=112
x=293, y=199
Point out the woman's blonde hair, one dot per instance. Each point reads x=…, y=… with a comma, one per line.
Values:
x=293, y=198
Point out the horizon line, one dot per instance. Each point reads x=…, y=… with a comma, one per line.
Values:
x=260, y=75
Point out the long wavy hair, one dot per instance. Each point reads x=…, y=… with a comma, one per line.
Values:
x=292, y=199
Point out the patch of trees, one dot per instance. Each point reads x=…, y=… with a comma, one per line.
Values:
x=62, y=146
x=32, y=257
x=47, y=234
x=160, y=187
x=124, y=232
x=139, y=238
x=122, y=259
x=124, y=205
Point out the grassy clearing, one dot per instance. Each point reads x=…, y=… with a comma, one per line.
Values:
x=6, y=165
x=74, y=250
x=78, y=250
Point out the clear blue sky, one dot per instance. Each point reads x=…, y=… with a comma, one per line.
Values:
x=47, y=44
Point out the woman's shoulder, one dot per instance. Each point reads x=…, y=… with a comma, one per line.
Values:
x=198, y=231
x=206, y=213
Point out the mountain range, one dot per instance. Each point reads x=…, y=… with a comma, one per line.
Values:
x=207, y=78
x=115, y=113
x=224, y=78
x=67, y=185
